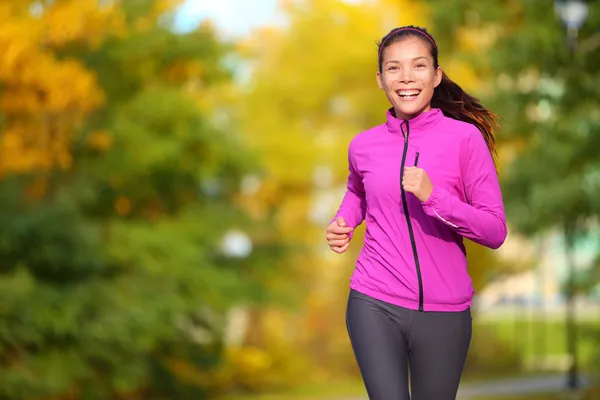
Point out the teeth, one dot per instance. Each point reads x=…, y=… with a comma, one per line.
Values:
x=408, y=92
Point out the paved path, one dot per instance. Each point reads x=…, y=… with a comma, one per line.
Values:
x=515, y=386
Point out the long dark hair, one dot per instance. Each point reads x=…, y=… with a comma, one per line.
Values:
x=448, y=95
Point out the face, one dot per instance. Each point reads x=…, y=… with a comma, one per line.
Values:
x=408, y=76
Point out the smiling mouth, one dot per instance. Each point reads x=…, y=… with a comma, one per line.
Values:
x=409, y=94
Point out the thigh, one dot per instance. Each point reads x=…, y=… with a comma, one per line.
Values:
x=438, y=346
x=379, y=347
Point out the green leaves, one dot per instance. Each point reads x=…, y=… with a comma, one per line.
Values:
x=545, y=98
x=112, y=273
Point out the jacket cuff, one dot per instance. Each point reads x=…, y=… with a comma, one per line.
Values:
x=436, y=194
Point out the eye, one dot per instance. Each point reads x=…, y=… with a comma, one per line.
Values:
x=420, y=65
x=392, y=68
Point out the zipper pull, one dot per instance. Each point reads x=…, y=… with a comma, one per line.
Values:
x=405, y=134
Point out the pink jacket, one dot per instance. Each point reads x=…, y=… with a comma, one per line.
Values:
x=413, y=253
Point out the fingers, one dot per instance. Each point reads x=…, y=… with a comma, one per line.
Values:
x=413, y=172
x=411, y=179
x=338, y=242
x=334, y=239
x=338, y=236
x=339, y=230
x=411, y=183
x=340, y=249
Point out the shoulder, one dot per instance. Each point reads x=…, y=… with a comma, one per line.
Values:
x=468, y=135
x=364, y=138
x=461, y=129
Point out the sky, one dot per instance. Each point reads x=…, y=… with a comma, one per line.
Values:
x=233, y=18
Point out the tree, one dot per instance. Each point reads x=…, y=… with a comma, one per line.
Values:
x=547, y=97
x=117, y=190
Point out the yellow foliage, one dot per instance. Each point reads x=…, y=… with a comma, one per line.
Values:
x=44, y=98
x=184, y=71
x=33, y=146
x=249, y=366
x=80, y=20
x=100, y=140
x=251, y=358
x=272, y=363
x=162, y=7
x=478, y=39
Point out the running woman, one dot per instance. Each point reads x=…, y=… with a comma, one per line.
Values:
x=422, y=181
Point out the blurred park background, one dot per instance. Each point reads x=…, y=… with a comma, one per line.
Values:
x=168, y=169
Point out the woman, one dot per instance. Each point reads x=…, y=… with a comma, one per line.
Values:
x=423, y=180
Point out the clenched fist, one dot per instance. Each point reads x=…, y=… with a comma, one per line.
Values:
x=417, y=182
x=338, y=235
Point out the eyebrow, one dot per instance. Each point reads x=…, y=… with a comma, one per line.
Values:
x=414, y=59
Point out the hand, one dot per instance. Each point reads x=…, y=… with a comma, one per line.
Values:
x=417, y=182
x=338, y=235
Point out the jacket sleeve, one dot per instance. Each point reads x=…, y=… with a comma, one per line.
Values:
x=354, y=206
x=482, y=218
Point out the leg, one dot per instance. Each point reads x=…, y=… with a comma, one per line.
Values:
x=438, y=346
x=379, y=347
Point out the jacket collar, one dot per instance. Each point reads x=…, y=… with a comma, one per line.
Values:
x=423, y=121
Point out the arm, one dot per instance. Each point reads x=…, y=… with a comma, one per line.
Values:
x=354, y=206
x=482, y=219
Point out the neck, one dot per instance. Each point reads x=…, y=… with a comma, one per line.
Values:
x=407, y=117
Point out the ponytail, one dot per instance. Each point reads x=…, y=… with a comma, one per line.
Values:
x=457, y=104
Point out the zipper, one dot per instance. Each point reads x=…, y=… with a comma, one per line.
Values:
x=408, y=221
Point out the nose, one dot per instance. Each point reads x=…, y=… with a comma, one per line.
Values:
x=406, y=75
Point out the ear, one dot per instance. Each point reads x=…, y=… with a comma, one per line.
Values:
x=438, y=77
x=379, y=83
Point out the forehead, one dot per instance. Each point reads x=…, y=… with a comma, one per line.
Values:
x=407, y=48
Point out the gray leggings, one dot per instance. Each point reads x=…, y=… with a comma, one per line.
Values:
x=386, y=339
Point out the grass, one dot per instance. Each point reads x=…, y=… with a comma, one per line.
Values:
x=310, y=392
x=534, y=338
